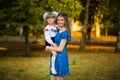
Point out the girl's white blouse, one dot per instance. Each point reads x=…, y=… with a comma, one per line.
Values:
x=50, y=31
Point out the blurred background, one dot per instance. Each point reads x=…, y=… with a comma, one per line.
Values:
x=88, y=19
x=95, y=29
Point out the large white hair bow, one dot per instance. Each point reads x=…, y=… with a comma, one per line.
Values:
x=46, y=14
x=55, y=13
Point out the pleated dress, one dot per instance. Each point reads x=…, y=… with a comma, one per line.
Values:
x=62, y=60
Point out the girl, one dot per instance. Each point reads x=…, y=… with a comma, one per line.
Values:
x=61, y=39
x=50, y=31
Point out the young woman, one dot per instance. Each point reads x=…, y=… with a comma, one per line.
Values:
x=61, y=39
x=50, y=31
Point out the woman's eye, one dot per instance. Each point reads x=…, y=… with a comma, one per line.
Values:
x=60, y=20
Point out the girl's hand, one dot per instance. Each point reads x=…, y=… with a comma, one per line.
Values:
x=54, y=45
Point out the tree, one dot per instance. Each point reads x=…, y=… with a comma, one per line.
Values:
x=26, y=13
x=115, y=18
x=85, y=26
x=118, y=36
x=104, y=12
x=22, y=13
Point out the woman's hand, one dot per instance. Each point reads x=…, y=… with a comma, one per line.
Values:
x=48, y=48
x=57, y=48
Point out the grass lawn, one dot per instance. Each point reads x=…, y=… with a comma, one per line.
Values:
x=97, y=63
x=83, y=66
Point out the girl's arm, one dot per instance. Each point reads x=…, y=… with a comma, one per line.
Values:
x=48, y=36
x=57, y=48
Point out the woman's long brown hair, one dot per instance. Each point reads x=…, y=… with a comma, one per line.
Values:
x=67, y=25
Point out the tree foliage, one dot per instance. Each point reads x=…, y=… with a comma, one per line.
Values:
x=27, y=13
x=104, y=12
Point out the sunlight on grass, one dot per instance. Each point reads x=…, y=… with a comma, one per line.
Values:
x=100, y=48
x=2, y=48
x=92, y=48
x=83, y=66
x=72, y=46
x=41, y=42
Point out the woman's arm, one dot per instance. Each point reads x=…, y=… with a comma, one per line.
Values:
x=58, y=48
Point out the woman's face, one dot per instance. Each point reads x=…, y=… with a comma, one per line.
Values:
x=61, y=21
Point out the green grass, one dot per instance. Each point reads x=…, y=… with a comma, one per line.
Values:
x=83, y=66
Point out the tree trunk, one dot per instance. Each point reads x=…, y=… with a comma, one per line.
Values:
x=26, y=34
x=83, y=42
x=118, y=36
x=97, y=25
x=85, y=25
x=118, y=43
x=21, y=31
x=88, y=33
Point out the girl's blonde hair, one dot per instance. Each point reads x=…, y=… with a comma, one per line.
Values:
x=50, y=15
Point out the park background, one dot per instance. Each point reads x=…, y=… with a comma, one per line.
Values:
x=95, y=39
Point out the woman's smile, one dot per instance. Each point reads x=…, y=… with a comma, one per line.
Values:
x=60, y=21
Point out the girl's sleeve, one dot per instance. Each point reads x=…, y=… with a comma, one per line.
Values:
x=47, y=36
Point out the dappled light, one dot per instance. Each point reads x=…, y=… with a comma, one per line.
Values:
x=94, y=48
x=100, y=48
x=2, y=48
x=17, y=47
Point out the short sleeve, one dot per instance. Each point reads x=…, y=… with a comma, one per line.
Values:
x=66, y=36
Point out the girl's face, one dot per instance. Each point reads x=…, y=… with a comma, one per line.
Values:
x=61, y=21
x=51, y=20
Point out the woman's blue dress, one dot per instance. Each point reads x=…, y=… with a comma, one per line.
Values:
x=62, y=61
